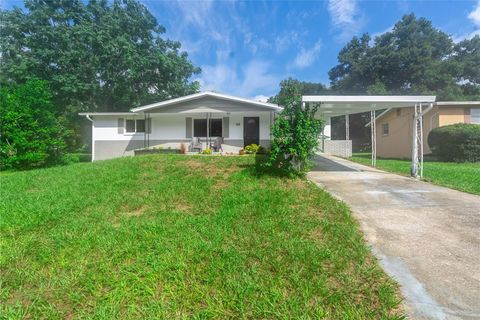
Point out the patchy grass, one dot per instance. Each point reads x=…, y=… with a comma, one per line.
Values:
x=168, y=236
x=460, y=176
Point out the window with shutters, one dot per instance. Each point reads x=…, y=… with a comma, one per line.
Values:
x=134, y=126
x=200, y=128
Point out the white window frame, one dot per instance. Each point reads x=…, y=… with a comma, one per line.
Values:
x=202, y=118
x=135, y=132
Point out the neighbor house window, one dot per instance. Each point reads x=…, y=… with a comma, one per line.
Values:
x=200, y=128
x=134, y=126
x=385, y=129
x=475, y=115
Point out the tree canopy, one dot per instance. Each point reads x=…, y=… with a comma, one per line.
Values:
x=97, y=56
x=30, y=134
x=290, y=85
x=413, y=58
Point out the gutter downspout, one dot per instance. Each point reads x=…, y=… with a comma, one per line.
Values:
x=93, y=136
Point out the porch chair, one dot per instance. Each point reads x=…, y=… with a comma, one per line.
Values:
x=217, y=144
x=195, y=145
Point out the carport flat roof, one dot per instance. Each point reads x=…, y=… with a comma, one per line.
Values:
x=332, y=106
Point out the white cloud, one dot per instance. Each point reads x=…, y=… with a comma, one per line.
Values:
x=345, y=17
x=282, y=42
x=306, y=57
x=261, y=98
x=467, y=36
x=254, y=77
x=475, y=15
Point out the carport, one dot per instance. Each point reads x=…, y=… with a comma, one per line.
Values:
x=334, y=106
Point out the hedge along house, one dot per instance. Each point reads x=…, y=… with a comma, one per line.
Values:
x=394, y=134
x=168, y=124
x=334, y=106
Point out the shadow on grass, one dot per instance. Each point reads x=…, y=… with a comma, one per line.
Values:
x=261, y=168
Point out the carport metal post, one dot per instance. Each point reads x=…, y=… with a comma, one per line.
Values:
x=373, y=131
x=417, y=140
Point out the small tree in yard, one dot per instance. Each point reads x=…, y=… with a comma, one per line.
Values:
x=30, y=134
x=295, y=133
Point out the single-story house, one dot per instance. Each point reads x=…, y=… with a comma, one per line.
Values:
x=168, y=124
x=394, y=126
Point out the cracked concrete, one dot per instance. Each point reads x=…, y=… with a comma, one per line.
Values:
x=425, y=236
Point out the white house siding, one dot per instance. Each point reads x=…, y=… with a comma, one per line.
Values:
x=168, y=130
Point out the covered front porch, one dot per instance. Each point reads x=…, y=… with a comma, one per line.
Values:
x=207, y=121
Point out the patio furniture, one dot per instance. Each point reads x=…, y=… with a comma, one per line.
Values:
x=217, y=144
x=195, y=145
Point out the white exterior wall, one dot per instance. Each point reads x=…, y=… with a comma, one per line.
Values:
x=172, y=127
x=168, y=130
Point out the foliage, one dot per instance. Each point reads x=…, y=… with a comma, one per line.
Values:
x=207, y=151
x=457, y=142
x=31, y=136
x=303, y=87
x=460, y=176
x=295, y=132
x=96, y=55
x=173, y=237
x=413, y=58
x=252, y=148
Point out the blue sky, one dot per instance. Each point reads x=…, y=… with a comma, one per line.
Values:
x=247, y=48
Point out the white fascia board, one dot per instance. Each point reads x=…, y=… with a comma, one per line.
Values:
x=457, y=103
x=369, y=99
x=271, y=106
x=107, y=114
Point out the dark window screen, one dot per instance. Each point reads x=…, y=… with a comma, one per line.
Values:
x=130, y=125
x=140, y=125
x=200, y=127
x=215, y=127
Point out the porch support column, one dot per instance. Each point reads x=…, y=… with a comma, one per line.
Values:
x=373, y=131
x=347, y=127
x=145, y=131
x=208, y=131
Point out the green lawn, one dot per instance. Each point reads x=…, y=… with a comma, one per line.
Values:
x=175, y=237
x=460, y=176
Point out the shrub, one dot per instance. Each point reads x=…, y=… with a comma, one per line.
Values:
x=295, y=134
x=30, y=134
x=252, y=148
x=458, y=142
x=207, y=151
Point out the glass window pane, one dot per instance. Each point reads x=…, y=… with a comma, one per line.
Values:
x=140, y=125
x=200, y=127
x=130, y=126
x=215, y=127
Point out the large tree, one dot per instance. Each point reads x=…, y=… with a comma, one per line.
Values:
x=30, y=134
x=413, y=58
x=97, y=55
x=301, y=87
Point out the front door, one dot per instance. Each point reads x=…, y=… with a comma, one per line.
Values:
x=251, y=130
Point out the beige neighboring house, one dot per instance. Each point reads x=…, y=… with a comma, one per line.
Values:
x=394, y=126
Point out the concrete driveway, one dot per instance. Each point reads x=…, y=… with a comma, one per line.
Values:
x=426, y=237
